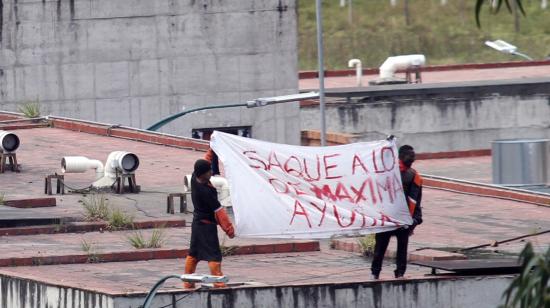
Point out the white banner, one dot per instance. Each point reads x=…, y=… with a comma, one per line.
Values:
x=284, y=191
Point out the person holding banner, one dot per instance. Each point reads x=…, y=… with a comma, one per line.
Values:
x=412, y=187
x=213, y=159
x=207, y=215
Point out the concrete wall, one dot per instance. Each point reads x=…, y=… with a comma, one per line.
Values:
x=444, y=292
x=133, y=62
x=20, y=293
x=442, y=117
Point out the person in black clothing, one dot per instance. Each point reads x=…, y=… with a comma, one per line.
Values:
x=212, y=157
x=207, y=215
x=412, y=187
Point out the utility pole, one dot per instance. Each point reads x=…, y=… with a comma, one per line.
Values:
x=350, y=12
x=407, y=14
x=321, y=71
x=516, y=16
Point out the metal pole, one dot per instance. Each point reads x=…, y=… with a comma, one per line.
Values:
x=350, y=12
x=171, y=118
x=517, y=53
x=321, y=71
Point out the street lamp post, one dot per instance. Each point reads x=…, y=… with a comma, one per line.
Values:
x=321, y=71
x=258, y=102
x=506, y=47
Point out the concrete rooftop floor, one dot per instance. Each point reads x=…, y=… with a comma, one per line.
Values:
x=160, y=172
x=451, y=220
x=439, y=76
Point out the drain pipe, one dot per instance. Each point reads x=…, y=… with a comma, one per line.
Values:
x=392, y=64
x=358, y=71
x=80, y=164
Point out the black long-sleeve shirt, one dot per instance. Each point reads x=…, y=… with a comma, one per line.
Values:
x=205, y=200
x=412, y=186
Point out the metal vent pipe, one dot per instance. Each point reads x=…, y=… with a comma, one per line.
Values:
x=521, y=162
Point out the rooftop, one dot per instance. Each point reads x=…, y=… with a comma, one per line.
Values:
x=454, y=220
x=437, y=74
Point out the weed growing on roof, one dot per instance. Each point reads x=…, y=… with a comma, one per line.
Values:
x=227, y=250
x=90, y=251
x=2, y=196
x=30, y=109
x=157, y=240
x=137, y=240
x=96, y=207
x=367, y=244
x=118, y=220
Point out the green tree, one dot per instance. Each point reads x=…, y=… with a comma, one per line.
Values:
x=531, y=288
x=495, y=6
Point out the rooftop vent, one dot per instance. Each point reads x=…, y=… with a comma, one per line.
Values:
x=9, y=142
x=409, y=63
x=118, y=163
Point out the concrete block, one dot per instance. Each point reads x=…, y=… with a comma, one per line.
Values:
x=151, y=109
x=35, y=11
x=128, y=8
x=257, y=72
x=7, y=58
x=187, y=75
x=144, y=78
x=224, y=117
x=107, y=42
x=139, y=37
x=111, y=79
x=113, y=111
x=529, y=111
x=78, y=81
x=285, y=68
x=79, y=109
x=7, y=85
x=135, y=112
x=244, y=28
x=182, y=36
x=37, y=83
x=225, y=72
x=166, y=71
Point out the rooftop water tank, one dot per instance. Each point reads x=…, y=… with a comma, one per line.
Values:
x=521, y=162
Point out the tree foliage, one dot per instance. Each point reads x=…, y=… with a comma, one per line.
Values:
x=495, y=6
x=531, y=289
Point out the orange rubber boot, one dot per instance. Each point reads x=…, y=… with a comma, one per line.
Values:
x=216, y=270
x=190, y=267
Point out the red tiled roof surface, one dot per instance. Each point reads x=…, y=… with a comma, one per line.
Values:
x=452, y=74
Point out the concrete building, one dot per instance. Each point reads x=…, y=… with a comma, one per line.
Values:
x=134, y=62
x=457, y=108
x=44, y=262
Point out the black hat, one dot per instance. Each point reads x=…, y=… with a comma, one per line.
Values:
x=201, y=167
x=405, y=150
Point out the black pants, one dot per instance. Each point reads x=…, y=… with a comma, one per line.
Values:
x=382, y=241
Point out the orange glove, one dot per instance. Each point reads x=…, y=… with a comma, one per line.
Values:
x=225, y=223
x=209, y=155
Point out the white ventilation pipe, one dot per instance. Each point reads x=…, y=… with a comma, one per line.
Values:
x=9, y=142
x=222, y=186
x=358, y=71
x=81, y=164
x=118, y=161
x=219, y=182
x=392, y=64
